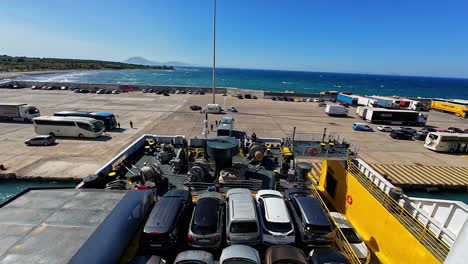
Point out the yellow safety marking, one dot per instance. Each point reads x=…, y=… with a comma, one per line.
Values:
x=430, y=175
x=112, y=173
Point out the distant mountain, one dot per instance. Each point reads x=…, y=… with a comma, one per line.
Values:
x=144, y=61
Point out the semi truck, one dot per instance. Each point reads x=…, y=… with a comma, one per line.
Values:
x=366, y=101
x=18, y=112
x=349, y=99
x=336, y=110
x=395, y=117
x=213, y=108
x=456, y=107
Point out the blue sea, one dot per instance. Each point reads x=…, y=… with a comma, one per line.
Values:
x=275, y=80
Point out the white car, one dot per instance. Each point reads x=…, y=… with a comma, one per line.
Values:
x=354, y=239
x=239, y=254
x=385, y=128
x=274, y=218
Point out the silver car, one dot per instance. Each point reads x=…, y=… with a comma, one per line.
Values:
x=206, y=226
x=242, y=225
x=44, y=140
x=239, y=254
x=194, y=257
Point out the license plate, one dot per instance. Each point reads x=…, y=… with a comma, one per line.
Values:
x=204, y=240
x=156, y=245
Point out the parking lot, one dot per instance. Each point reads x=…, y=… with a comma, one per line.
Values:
x=74, y=158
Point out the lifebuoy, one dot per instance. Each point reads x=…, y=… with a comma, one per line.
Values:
x=349, y=199
x=312, y=151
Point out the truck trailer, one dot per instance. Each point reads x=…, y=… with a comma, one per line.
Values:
x=336, y=110
x=361, y=111
x=18, y=112
x=396, y=117
x=349, y=99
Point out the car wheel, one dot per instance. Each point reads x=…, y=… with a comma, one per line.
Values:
x=451, y=150
x=52, y=134
x=81, y=135
x=27, y=144
x=45, y=144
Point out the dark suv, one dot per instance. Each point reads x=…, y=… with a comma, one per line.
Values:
x=401, y=134
x=167, y=219
x=311, y=222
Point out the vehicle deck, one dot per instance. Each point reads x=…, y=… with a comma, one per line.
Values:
x=422, y=177
x=258, y=177
x=49, y=226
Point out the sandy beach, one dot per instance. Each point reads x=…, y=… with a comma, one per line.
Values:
x=11, y=75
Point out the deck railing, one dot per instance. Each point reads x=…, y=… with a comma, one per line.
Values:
x=425, y=236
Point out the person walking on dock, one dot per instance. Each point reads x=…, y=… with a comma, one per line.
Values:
x=211, y=127
x=131, y=124
x=118, y=125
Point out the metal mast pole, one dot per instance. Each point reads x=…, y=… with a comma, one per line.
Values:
x=214, y=51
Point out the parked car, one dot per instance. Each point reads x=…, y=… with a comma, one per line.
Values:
x=101, y=91
x=248, y=96
x=420, y=135
x=144, y=91
x=239, y=254
x=189, y=92
x=166, y=94
x=254, y=97
x=385, y=128
x=274, y=218
x=286, y=254
x=455, y=130
x=195, y=107
x=326, y=255
x=165, y=222
x=354, y=239
x=206, y=226
x=149, y=259
x=43, y=140
x=35, y=87
x=409, y=130
x=159, y=92
x=273, y=98
x=322, y=104
x=311, y=222
x=429, y=129
x=401, y=134
x=362, y=127
x=242, y=225
x=115, y=91
x=232, y=109
x=194, y=257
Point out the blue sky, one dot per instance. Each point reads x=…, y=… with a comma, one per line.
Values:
x=417, y=37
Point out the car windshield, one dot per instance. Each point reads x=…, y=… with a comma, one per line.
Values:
x=244, y=227
x=97, y=126
x=278, y=227
x=351, y=235
x=191, y=262
x=33, y=110
x=238, y=261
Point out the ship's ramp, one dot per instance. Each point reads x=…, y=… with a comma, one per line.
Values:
x=50, y=226
x=414, y=176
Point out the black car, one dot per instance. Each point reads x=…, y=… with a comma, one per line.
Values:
x=410, y=130
x=401, y=134
x=273, y=98
x=254, y=97
x=195, y=107
x=455, y=130
x=326, y=255
x=248, y=96
x=159, y=92
x=429, y=129
x=166, y=222
x=166, y=94
x=311, y=222
x=420, y=135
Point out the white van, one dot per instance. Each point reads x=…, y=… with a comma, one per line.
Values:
x=242, y=226
x=213, y=108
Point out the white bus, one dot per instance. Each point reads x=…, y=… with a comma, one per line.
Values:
x=68, y=126
x=447, y=142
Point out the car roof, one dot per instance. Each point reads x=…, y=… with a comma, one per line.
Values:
x=241, y=207
x=178, y=193
x=42, y=136
x=275, y=210
x=312, y=210
x=214, y=195
x=282, y=252
x=296, y=191
x=360, y=124
x=206, y=212
x=194, y=255
x=341, y=220
x=267, y=192
x=327, y=255
x=238, y=191
x=240, y=251
x=161, y=218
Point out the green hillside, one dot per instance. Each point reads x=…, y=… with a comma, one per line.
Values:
x=9, y=63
